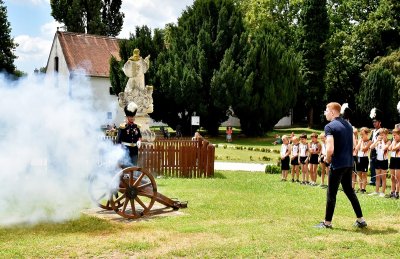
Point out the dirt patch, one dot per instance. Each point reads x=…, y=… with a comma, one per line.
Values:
x=157, y=210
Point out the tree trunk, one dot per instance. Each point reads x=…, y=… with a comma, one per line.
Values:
x=311, y=118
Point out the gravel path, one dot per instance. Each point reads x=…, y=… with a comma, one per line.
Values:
x=232, y=166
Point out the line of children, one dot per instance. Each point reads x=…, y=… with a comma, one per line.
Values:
x=304, y=156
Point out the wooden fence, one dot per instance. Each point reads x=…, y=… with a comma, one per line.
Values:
x=178, y=158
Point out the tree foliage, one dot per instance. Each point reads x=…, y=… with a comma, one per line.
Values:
x=262, y=84
x=7, y=45
x=314, y=24
x=377, y=91
x=196, y=46
x=101, y=17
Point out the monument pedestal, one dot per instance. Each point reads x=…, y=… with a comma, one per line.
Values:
x=143, y=120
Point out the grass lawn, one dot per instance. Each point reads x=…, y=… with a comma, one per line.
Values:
x=235, y=214
x=252, y=150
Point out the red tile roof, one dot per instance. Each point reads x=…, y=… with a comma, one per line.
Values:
x=90, y=52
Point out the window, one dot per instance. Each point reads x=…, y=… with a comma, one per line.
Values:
x=56, y=64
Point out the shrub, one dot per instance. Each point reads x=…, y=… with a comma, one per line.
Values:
x=262, y=149
x=225, y=146
x=216, y=145
x=250, y=148
x=272, y=169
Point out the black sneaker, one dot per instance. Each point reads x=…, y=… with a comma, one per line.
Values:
x=358, y=224
x=292, y=180
x=323, y=225
x=297, y=181
x=396, y=196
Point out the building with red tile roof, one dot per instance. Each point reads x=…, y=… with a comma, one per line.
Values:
x=78, y=54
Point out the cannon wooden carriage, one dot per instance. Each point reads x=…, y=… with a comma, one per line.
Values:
x=131, y=193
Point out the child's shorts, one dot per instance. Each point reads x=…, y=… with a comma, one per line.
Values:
x=362, y=164
x=382, y=164
x=285, y=163
x=394, y=163
x=295, y=161
x=314, y=159
x=303, y=159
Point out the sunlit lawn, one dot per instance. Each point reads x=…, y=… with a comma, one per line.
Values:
x=235, y=214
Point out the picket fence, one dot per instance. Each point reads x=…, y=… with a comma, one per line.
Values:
x=177, y=157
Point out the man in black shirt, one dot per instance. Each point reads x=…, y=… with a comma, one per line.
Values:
x=339, y=153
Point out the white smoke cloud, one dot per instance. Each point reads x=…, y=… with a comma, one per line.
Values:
x=49, y=145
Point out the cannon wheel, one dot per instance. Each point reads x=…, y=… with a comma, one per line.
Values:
x=137, y=192
x=99, y=191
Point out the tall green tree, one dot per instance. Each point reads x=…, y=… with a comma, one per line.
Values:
x=314, y=24
x=262, y=84
x=7, y=45
x=377, y=91
x=196, y=47
x=101, y=17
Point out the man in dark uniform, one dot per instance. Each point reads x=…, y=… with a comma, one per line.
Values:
x=376, y=116
x=339, y=153
x=129, y=136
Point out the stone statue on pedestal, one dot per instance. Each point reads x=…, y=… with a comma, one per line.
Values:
x=136, y=91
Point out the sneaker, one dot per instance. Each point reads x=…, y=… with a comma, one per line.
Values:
x=297, y=181
x=396, y=195
x=382, y=195
x=292, y=180
x=323, y=225
x=363, y=191
x=373, y=193
x=358, y=224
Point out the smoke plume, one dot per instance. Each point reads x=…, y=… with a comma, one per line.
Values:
x=49, y=145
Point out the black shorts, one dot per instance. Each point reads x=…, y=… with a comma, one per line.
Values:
x=382, y=164
x=303, y=159
x=285, y=163
x=394, y=163
x=295, y=161
x=362, y=164
x=314, y=159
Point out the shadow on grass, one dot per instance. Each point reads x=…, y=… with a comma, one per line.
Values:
x=369, y=231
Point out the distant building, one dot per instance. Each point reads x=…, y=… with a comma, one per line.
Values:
x=74, y=54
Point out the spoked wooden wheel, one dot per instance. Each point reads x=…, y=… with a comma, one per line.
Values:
x=99, y=191
x=137, y=192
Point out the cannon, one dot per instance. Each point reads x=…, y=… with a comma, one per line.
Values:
x=131, y=193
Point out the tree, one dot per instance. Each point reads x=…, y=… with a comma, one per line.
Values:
x=261, y=86
x=361, y=32
x=7, y=45
x=314, y=23
x=377, y=91
x=101, y=17
x=196, y=47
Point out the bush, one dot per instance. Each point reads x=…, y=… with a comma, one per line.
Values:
x=272, y=169
x=250, y=148
x=225, y=146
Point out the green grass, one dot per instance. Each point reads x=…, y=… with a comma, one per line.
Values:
x=235, y=214
x=238, y=150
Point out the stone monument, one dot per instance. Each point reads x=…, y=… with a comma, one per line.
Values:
x=139, y=93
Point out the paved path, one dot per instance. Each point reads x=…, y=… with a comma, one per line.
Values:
x=232, y=166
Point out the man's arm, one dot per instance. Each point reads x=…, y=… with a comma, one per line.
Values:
x=329, y=148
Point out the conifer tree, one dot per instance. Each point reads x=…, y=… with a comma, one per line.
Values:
x=101, y=17
x=7, y=45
